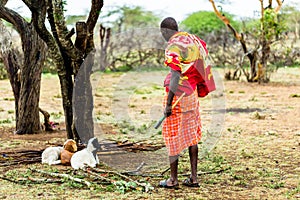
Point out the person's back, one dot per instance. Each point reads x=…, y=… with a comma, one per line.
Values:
x=186, y=53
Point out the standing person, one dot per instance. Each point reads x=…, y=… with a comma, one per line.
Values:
x=184, y=55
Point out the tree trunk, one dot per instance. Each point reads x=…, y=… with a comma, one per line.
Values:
x=10, y=56
x=263, y=75
x=82, y=95
x=104, y=42
x=26, y=78
x=253, y=69
x=83, y=102
x=66, y=85
x=12, y=67
x=30, y=79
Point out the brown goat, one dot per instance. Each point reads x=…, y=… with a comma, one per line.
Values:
x=66, y=154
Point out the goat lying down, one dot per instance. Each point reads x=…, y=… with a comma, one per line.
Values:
x=87, y=156
x=66, y=154
x=59, y=155
x=51, y=155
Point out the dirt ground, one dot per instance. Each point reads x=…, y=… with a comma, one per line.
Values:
x=250, y=147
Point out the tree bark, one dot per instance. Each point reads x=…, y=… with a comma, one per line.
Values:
x=9, y=57
x=104, y=42
x=34, y=55
x=12, y=67
x=27, y=97
x=67, y=56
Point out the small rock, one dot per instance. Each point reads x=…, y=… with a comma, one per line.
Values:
x=271, y=133
x=257, y=115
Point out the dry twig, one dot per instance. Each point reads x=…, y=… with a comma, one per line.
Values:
x=8, y=179
x=146, y=186
x=44, y=180
x=87, y=183
x=135, y=172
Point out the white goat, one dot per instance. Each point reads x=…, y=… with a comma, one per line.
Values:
x=51, y=155
x=87, y=156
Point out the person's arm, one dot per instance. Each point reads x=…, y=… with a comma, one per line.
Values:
x=175, y=76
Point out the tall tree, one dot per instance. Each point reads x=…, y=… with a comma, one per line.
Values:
x=74, y=61
x=268, y=31
x=24, y=72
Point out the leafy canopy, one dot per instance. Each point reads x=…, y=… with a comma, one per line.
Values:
x=204, y=22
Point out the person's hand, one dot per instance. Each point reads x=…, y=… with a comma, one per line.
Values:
x=168, y=110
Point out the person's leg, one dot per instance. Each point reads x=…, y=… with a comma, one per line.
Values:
x=173, y=180
x=174, y=169
x=193, y=154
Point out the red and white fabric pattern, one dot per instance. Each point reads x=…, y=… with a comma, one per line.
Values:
x=183, y=128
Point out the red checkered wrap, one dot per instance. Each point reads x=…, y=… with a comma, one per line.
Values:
x=183, y=128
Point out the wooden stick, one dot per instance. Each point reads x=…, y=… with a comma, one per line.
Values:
x=113, y=172
x=113, y=182
x=134, y=171
x=279, y=6
x=164, y=117
x=176, y=102
x=88, y=170
x=198, y=173
x=226, y=21
x=209, y=172
x=144, y=185
x=138, y=168
x=87, y=183
x=17, y=162
x=8, y=179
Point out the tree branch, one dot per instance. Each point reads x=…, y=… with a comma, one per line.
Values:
x=14, y=18
x=38, y=19
x=91, y=23
x=47, y=124
x=3, y=2
x=147, y=187
x=62, y=30
x=87, y=183
x=225, y=21
x=94, y=14
x=279, y=6
x=50, y=18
